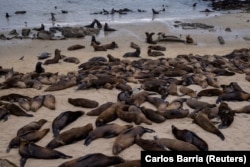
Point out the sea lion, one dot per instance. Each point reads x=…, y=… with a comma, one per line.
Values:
x=149, y=145
x=189, y=40
x=152, y=115
x=129, y=163
x=244, y=109
x=190, y=137
x=134, y=45
x=107, y=115
x=70, y=136
x=175, y=113
x=133, y=54
x=111, y=45
x=105, y=131
x=71, y=60
x=93, y=40
x=34, y=125
x=159, y=103
x=202, y=120
x=97, y=111
x=123, y=96
x=127, y=138
x=62, y=84
x=133, y=114
x=36, y=103
x=197, y=104
x=98, y=48
x=107, y=28
x=226, y=115
x=44, y=55
x=57, y=57
x=154, y=53
x=64, y=119
x=24, y=104
x=39, y=69
x=139, y=98
x=16, y=110
x=31, y=150
x=187, y=91
x=209, y=92
x=41, y=28
x=30, y=136
x=149, y=38
x=82, y=102
x=157, y=47
x=175, y=144
x=14, y=97
x=49, y=101
x=233, y=96
x=76, y=47
x=93, y=160
x=4, y=113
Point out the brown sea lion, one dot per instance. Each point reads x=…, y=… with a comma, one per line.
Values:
x=30, y=136
x=149, y=145
x=107, y=115
x=209, y=92
x=49, y=101
x=175, y=144
x=82, y=102
x=39, y=69
x=197, y=104
x=175, y=113
x=212, y=112
x=139, y=98
x=159, y=103
x=93, y=160
x=64, y=119
x=127, y=138
x=31, y=150
x=4, y=113
x=136, y=53
x=226, y=115
x=24, y=104
x=56, y=58
x=70, y=136
x=111, y=45
x=36, y=103
x=98, y=48
x=76, y=47
x=202, y=120
x=133, y=114
x=71, y=60
x=244, y=109
x=97, y=111
x=16, y=110
x=14, y=97
x=34, y=125
x=62, y=84
x=134, y=45
x=129, y=163
x=105, y=131
x=190, y=137
x=233, y=96
x=187, y=91
x=152, y=115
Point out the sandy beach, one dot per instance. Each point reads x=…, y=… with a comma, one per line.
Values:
x=206, y=43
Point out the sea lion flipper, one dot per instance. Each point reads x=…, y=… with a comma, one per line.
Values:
x=23, y=161
x=149, y=130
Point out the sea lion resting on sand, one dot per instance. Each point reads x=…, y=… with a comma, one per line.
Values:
x=226, y=115
x=133, y=54
x=82, y=102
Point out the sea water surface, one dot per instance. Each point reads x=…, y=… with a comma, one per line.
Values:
x=80, y=11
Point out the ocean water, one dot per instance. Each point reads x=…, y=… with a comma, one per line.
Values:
x=80, y=11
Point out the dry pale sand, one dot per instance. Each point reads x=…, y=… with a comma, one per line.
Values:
x=236, y=136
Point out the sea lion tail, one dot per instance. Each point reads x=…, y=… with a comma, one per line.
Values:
x=88, y=140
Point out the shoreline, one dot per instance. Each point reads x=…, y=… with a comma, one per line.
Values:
x=237, y=135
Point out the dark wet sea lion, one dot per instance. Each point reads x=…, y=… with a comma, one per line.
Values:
x=133, y=114
x=93, y=40
x=76, y=47
x=105, y=131
x=71, y=60
x=82, y=102
x=34, y=125
x=39, y=69
x=202, y=120
x=30, y=136
x=70, y=136
x=64, y=119
x=107, y=115
x=209, y=92
x=134, y=45
x=31, y=150
x=149, y=38
x=56, y=58
x=123, y=96
x=226, y=115
x=190, y=137
x=49, y=101
x=175, y=144
x=16, y=110
x=157, y=47
x=136, y=53
x=127, y=138
x=233, y=96
x=107, y=28
x=36, y=103
x=129, y=163
x=152, y=115
x=24, y=104
x=97, y=111
x=155, y=53
x=93, y=160
x=149, y=145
